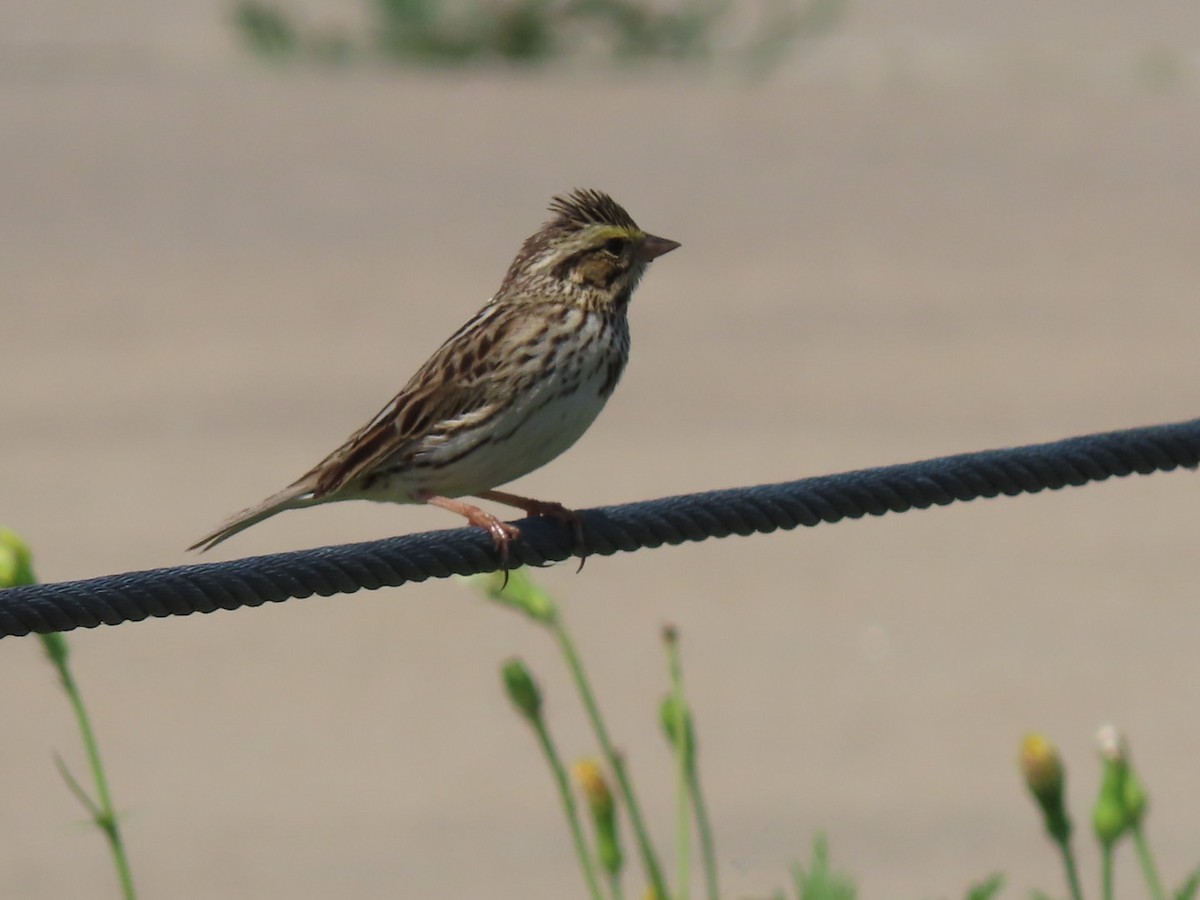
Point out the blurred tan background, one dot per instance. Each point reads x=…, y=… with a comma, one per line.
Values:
x=937, y=229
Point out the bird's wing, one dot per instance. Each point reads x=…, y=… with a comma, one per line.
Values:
x=456, y=381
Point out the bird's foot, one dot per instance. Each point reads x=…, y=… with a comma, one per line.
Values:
x=547, y=508
x=502, y=533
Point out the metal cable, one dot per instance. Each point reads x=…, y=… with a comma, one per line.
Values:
x=181, y=590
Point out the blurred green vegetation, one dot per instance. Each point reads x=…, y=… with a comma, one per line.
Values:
x=527, y=32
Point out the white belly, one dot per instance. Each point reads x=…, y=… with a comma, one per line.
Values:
x=528, y=436
x=539, y=425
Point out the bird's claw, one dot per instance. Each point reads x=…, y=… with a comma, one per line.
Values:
x=503, y=534
x=572, y=520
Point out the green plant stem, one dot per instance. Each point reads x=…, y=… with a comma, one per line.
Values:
x=586, y=861
x=1106, y=870
x=614, y=886
x=1149, y=869
x=101, y=810
x=699, y=808
x=683, y=753
x=1068, y=856
x=708, y=851
x=615, y=760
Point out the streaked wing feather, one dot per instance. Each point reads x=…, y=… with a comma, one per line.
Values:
x=454, y=382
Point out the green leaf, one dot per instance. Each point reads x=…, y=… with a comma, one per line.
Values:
x=986, y=889
x=821, y=882
x=1187, y=890
x=266, y=29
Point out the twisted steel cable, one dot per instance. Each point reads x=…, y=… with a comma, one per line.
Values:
x=181, y=590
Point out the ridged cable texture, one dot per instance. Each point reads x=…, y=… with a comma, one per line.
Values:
x=205, y=587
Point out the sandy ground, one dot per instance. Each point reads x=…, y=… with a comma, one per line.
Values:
x=935, y=232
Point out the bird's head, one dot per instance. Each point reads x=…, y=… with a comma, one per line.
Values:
x=591, y=254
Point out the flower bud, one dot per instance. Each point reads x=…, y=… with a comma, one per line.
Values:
x=522, y=690
x=55, y=645
x=1110, y=817
x=677, y=723
x=1114, y=750
x=590, y=778
x=1043, y=771
x=1042, y=766
x=1135, y=798
x=16, y=562
x=1112, y=744
x=517, y=590
x=16, y=569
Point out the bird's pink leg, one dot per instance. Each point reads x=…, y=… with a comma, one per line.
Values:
x=502, y=533
x=547, y=508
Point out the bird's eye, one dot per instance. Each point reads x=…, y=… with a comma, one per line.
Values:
x=616, y=246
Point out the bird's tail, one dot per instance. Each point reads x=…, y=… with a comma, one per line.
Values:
x=292, y=497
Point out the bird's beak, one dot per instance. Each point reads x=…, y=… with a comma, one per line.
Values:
x=653, y=247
